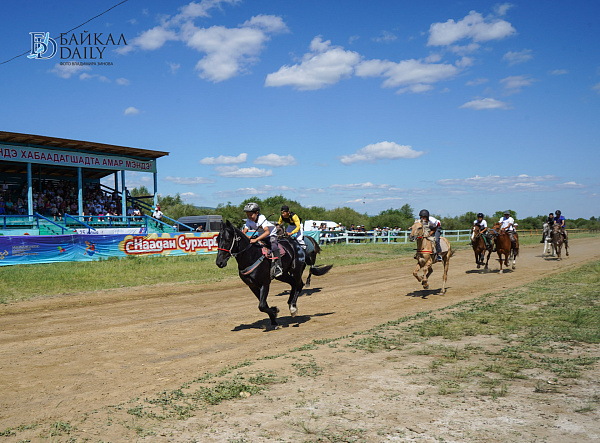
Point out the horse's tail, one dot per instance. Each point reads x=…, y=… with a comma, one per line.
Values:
x=318, y=271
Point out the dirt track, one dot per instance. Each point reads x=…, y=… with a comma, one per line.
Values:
x=65, y=355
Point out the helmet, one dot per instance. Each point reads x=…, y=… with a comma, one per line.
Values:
x=285, y=208
x=558, y=212
x=424, y=213
x=507, y=212
x=251, y=207
x=480, y=215
x=551, y=214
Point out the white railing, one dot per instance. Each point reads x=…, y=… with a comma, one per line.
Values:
x=347, y=237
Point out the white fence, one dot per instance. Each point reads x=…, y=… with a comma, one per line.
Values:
x=332, y=237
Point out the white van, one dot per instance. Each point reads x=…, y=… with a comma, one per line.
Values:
x=313, y=225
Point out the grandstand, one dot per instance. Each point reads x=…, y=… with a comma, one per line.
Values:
x=52, y=185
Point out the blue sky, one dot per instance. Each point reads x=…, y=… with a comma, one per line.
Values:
x=453, y=106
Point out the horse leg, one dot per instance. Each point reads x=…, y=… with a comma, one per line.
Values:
x=429, y=269
x=515, y=253
x=296, y=285
x=445, y=276
x=488, y=259
x=567, y=249
x=477, y=261
x=264, y=307
x=416, y=272
x=309, y=275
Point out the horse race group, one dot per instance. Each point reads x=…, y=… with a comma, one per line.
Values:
x=272, y=252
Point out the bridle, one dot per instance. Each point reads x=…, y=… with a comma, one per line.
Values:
x=236, y=238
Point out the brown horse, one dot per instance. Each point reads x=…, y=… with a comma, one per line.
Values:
x=558, y=241
x=504, y=246
x=425, y=256
x=479, y=247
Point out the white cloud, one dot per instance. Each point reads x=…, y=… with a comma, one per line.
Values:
x=66, y=71
x=485, y=104
x=275, y=160
x=596, y=88
x=381, y=151
x=174, y=67
x=412, y=74
x=101, y=78
x=514, y=58
x=189, y=180
x=224, y=160
x=497, y=183
x=559, y=72
x=154, y=38
x=474, y=26
x=131, y=111
x=325, y=65
x=229, y=51
x=571, y=185
x=235, y=172
x=252, y=191
x=359, y=186
x=122, y=82
x=514, y=83
x=477, y=82
x=385, y=37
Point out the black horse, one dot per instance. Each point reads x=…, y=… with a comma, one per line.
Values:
x=254, y=268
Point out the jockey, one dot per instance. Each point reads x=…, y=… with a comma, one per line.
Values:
x=483, y=230
x=560, y=221
x=507, y=224
x=293, y=230
x=266, y=231
x=435, y=229
x=550, y=221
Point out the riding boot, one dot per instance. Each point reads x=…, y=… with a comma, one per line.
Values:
x=276, y=268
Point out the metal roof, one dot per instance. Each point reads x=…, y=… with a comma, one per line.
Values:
x=72, y=145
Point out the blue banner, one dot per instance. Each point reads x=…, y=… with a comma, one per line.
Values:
x=28, y=249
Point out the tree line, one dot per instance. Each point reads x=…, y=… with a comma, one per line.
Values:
x=403, y=218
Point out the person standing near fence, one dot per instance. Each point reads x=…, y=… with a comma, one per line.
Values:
x=158, y=215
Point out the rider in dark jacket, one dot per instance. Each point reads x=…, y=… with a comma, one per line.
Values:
x=550, y=221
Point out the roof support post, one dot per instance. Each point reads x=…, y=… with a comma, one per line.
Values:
x=29, y=190
x=155, y=188
x=123, y=195
x=80, y=191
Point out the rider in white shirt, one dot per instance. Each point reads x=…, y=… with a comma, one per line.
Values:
x=266, y=231
x=435, y=229
x=483, y=230
x=507, y=224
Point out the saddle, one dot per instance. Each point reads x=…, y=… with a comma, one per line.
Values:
x=266, y=251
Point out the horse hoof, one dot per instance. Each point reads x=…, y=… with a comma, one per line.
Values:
x=293, y=311
x=513, y=266
x=425, y=286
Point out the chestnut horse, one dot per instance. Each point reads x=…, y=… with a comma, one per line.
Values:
x=558, y=241
x=425, y=256
x=504, y=246
x=479, y=247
